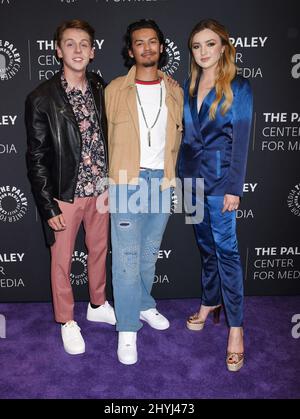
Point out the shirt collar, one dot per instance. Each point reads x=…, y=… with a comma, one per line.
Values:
x=69, y=89
x=129, y=81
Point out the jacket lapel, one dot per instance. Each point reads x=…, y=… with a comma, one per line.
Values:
x=129, y=85
x=170, y=99
x=67, y=112
x=193, y=105
x=192, y=123
x=203, y=115
x=66, y=109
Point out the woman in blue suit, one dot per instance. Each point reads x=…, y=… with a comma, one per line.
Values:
x=217, y=117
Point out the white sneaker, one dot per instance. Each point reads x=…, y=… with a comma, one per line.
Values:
x=104, y=313
x=127, y=352
x=72, y=339
x=155, y=319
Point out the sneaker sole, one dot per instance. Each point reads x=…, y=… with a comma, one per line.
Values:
x=155, y=327
x=127, y=362
x=74, y=353
x=100, y=321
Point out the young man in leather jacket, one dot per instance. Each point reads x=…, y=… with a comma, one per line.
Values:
x=67, y=167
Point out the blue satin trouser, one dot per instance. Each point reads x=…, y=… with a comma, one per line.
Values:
x=222, y=276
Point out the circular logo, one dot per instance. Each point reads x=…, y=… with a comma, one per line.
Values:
x=79, y=272
x=293, y=200
x=13, y=204
x=173, y=58
x=68, y=1
x=10, y=60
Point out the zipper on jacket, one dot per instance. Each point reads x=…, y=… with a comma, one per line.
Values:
x=79, y=160
x=78, y=163
x=67, y=103
x=59, y=153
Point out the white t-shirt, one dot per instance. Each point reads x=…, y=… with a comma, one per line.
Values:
x=152, y=157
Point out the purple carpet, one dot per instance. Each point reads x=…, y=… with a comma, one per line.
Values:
x=175, y=363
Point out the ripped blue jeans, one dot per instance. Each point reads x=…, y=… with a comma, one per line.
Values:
x=136, y=235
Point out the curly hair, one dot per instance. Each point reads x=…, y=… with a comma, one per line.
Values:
x=135, y=26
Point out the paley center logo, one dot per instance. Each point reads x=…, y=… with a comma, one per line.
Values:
x=281, y=132
x=293, y=200
x=49, y=63
x=13, y=204
x=276, y=263
x=173, y=57
x=248, y=42
x=7, y=120
x=79, y=274
x=161, y=279
x=7, y=280
x=247, y=213
x=10, y=60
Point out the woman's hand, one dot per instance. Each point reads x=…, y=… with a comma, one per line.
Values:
x=231, y=203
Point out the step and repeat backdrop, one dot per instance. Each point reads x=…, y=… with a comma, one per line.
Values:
x=266, y=35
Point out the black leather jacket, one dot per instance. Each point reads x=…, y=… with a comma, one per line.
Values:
x=54, y=142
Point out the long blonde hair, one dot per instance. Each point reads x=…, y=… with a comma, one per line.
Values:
x=226, y=69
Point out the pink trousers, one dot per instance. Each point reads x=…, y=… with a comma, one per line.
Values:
x=96, y=235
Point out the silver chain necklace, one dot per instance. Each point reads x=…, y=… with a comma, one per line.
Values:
x=143, y=113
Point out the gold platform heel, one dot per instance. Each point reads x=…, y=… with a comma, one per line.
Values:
x=234, y=361
x=196, y=324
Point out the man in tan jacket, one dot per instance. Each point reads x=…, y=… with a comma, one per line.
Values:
x=144, y=115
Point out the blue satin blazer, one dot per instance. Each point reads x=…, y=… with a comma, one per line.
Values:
x=216, y=150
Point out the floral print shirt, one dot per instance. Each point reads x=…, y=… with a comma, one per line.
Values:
x=92, y=175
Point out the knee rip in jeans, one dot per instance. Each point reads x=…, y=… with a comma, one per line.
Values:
x=150, y=251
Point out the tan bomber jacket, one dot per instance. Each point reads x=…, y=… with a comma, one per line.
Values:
x=124, y=135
